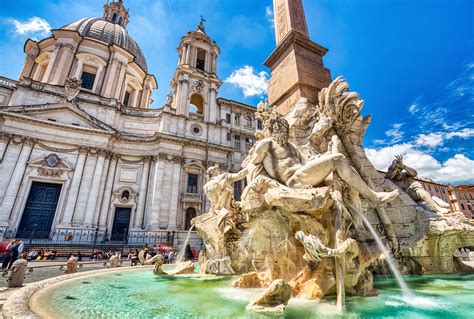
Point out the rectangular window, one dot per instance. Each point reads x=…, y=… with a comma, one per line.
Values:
x=462, y=206
x=229, y=137
x=249, y=121
x=237, y=190
x=192, y=183
x=126, y=98
x=87, y=80
x=436, y=188
x=248, y=143
x=443, y=190
x=237, y=142
x=237, y=119
x=465, y=196
x=227, y=118
x=259, y=124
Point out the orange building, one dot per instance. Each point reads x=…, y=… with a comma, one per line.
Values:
x=461, y=198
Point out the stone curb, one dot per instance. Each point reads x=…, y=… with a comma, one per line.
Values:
x=17, y=305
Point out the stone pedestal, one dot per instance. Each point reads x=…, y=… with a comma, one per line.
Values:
x=297, y=71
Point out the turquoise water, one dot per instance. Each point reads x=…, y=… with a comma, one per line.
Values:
x=140, y=294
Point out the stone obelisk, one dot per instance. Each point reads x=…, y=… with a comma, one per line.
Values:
x=296, y=65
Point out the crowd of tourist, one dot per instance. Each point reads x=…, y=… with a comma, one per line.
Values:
x=42, y=254
x=99, y=254
x=14, y=249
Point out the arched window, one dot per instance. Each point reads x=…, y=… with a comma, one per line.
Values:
x=114, y=17
x=200, y=59
x=190, y=214
x=125, y=196
x=120, y=21
x=196, y=104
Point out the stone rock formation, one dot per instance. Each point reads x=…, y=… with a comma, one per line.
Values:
x=273, y=299
x=157, y=269
x=186, y=267
x=16, y=275
x=114, y=261
x=155, y=259
x=71, y=265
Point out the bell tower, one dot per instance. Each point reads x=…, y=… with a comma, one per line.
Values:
x=195, y=81
x=296, y=65
x=115, y=12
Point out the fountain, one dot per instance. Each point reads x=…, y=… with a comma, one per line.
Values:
x=304, y=216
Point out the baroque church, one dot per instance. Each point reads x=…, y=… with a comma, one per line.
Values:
x=82, y=156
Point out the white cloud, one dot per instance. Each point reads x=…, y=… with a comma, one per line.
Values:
x=438, y=138
x=269, y=15
x=251, y=83
x=430, y=140
x=395, y=133
x=34, y=26
x=413, y=108
x=456, y=169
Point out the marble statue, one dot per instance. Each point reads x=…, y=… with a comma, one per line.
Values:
x=315, y=249
x=404, y=177
x=284, y=162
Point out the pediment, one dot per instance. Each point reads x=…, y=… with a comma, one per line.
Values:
x=65, y=114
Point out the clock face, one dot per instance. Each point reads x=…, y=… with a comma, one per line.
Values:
x=52, y=160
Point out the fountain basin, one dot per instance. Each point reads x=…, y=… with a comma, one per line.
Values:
x=137, y=292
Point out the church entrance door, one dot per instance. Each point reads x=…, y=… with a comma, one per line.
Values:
x=121, y=223
x=39, y=210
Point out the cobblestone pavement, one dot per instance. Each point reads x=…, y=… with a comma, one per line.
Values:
x=47, y=269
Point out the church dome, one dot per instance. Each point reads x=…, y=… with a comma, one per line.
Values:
x=110, y=33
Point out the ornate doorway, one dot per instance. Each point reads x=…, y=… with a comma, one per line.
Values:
x=121, y=223
x=39, y=211
x=190, y=214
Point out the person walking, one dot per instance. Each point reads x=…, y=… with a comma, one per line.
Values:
x=7, y=256
x=13, y=254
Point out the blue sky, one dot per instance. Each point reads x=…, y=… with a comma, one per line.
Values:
x=412, y=61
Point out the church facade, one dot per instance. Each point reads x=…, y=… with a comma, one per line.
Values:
x=82, y=156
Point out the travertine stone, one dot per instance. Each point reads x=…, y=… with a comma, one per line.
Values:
x=273, y=299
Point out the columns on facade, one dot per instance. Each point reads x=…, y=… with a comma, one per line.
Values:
x=188, y=53
x=29, y=64
x=174, y=200
x=66, y=50
x=207, y=64
x=213, y=63
x=15, y=180
x=74, y=188
x=94, y=189
x=212, y=106
x=142, y=195
x=104, y=210
x=51, y=63
x=120, y=80
x=152, y=213
x=183, y=97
